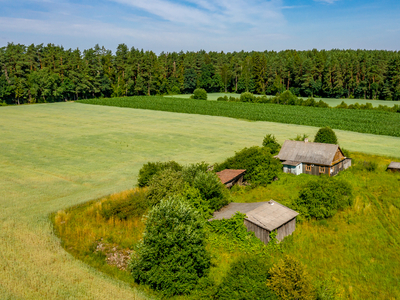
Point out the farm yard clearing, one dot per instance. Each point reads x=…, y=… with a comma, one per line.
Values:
x=53, y=156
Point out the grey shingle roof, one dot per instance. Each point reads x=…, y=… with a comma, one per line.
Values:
x=268, y=215
x=394, y=165
x=312, y=153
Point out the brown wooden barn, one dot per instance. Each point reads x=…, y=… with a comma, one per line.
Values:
x=230, y=177
x=394, y=166
x=312, y=158
x=262, y=218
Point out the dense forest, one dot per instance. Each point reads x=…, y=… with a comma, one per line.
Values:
x=39, y=73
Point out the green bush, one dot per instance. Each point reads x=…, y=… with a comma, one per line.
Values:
x=271, y=142
x=164, y=184
x=172, y=257
x=247, y=97
x=151, y=168
x=325, y=135
x=290, y=280
x=134, y=204
x=190, y=171
x=323, y=197
x=300, y=137
x=246, y=280
x=211, y=189
x=200, y=94
x=261, y=167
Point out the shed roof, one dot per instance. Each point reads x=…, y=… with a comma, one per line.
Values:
x=268, y=215
x=394, y=165
x=305, y=152
x=228, y=175
x=291, y=163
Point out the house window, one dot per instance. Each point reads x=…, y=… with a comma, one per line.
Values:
x=322, y=169
x=308, y=168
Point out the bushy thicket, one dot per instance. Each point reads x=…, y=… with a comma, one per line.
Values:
x=173, y=256
x=200, y=94
x=323, y=197
x=261, y=167
x=271, y=142
x=246, y=280
x=149, y=169
x=290, y=280
x=325, y=135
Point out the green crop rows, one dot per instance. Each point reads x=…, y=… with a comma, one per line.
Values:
x=364, y=121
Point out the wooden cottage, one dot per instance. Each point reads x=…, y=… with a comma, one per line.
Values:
x=262, y=218
x=312, y=158
x=231, y=177
x=394, y=166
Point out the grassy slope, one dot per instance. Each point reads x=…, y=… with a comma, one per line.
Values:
x=53, y=156
x=365, y=121
x=358, y=248
x=331, y=101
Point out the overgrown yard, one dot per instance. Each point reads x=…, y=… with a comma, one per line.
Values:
x=53, y=156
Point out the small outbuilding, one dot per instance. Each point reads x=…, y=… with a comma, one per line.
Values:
x=394, y=166
x=262, y=218
x=230, y=177
x=312, y=158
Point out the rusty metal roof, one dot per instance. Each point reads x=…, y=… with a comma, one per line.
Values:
x=312, y=153
x=394, y=165
x=228, y=175
x=268, y=215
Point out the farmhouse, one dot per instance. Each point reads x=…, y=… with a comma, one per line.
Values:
x=394, y=166
x=231, y=177
x=312, y=158
x=262, y=218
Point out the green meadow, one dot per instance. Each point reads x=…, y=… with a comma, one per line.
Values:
x=331, y=101
x=53, y=156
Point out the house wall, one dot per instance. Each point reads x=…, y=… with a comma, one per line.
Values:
x=259, y=232
x=293, y=169
x=263, y=234
x=315, y=169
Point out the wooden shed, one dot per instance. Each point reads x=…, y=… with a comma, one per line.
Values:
x=262, y=218
x=230, y=177
x=394, y=166
x=312, y=158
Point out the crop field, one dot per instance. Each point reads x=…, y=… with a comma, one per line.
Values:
x=364, y=121
x=331, y=101
x=53, y=156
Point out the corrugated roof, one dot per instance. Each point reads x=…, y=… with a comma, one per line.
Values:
x=394, y=165
x=228, y=175
x=312, y=153
x=268, y=215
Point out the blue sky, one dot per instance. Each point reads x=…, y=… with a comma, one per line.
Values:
x=191, y=25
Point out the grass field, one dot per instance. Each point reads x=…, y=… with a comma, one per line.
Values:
x=331, y=101
x=53, y=156
x=364, y=121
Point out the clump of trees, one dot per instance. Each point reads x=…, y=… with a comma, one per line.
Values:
x=325, y=135
x=173, y=256
x=261, y=167
x=270, y=142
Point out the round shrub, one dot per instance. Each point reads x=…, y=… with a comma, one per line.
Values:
x=290, y=280
x=271, y=143
x=247, y=97
x=148, y=170
x=200, y=94
x=325, y=135
x=323, y=197
x=211, y=189
x=172, y=257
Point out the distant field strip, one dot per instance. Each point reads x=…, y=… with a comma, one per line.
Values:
x=364, y=121
x=53, y=156
x=331, y=101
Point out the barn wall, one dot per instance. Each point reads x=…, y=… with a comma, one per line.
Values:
x=286, y=229
x=259, y=232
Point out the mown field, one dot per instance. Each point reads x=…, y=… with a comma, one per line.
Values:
x=364, y=121
x=331, y=101
x=53, y=156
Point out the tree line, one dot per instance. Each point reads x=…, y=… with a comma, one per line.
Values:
x=50, y=73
